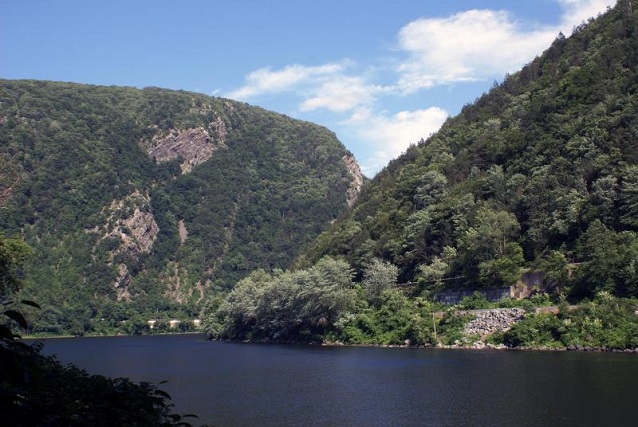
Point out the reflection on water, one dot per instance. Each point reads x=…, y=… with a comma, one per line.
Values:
x=274, y=385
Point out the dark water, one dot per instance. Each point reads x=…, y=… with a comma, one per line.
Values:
x=274, y=385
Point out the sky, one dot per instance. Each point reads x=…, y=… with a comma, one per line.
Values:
x=381, y=74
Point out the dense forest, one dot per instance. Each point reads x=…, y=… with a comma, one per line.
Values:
x=139, y=203
x=542, y=169
x=538, y=175
x=120, y=205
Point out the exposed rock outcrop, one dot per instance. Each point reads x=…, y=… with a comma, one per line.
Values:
x=173, y=280
x=176, y=283
x=193, y=146
x=357, y=179
x=489, y=321
x=129, y=222
x=183, y=232
x=122, y=284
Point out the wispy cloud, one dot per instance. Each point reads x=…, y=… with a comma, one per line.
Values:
x=390, y=135
x=577, y=11
x=467, y=46
x=479, y=44
x=342, y=93
x=473, y=45
x=266, y=80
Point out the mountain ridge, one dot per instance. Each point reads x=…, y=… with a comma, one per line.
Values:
x=156, y=197
x=562, y=126
x=537, y=178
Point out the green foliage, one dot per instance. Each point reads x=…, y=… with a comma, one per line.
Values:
x=321, y=303
x=476, y=301
x=37, y=390
x=300, y=305
x=610, y=261
x=70, y=153
x=378, y=277
x=518, y=178
x=450, y=328
x=502, y=271
x=13, y=254
x=555, y=268
x=534, y=331
x=393, y=320
x=607, y=322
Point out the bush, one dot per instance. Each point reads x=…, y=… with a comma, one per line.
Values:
x=476, y=301
x=607, y=322
x=533, y=331
x=450, y=329
x=39, y=390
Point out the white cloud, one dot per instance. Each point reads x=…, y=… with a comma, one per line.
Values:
x=387, y=136
x=341, y=94
x=577, y=11
x=265, y=80
x=470, y=45
x=467, y=46
x=479, y=44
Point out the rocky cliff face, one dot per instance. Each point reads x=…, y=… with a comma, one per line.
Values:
x=357, y=179
x=131, y=225
x=96, y=191
x=192, y=146
x=130, y=221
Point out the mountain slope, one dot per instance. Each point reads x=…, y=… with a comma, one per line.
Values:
x=156, y=197
x=541, y=172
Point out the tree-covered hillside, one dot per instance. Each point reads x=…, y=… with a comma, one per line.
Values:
x=138, y=203
x=541, y=173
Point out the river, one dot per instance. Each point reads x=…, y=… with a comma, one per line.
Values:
x=284, y=385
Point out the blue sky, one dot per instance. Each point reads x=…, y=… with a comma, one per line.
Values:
x=380, y=74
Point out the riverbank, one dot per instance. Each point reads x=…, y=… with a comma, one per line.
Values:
x=475, y=345
x=478, y=345
x=50, y=337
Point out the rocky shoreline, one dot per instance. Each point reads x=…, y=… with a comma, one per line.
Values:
x=476, y=345
x=488, y=321
x=475, y=334
x=479, y=345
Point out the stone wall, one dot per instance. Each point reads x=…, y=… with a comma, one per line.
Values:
x=530, y=282
x=454, y=297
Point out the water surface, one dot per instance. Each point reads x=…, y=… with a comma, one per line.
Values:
x=276, y=385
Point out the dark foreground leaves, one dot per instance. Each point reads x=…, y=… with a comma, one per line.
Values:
x=37, y=390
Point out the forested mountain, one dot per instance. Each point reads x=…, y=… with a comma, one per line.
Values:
x=540, y=172
x=540, y=175
x=138, y=203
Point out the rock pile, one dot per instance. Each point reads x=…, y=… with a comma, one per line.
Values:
x=489, y=321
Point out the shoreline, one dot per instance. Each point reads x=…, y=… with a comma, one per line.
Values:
x=483, y=347
x=488, y=347
x=478, y=345
x=53, y=337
